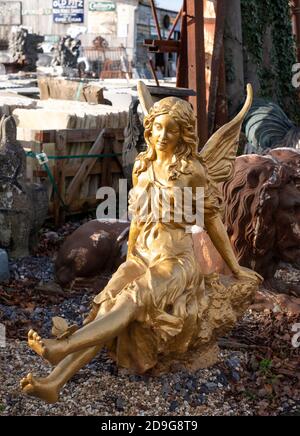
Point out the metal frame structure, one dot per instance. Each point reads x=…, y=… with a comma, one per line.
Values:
x=192, y=61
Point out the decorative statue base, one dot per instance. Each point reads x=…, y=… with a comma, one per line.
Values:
x=227, y=300
x=159, y=307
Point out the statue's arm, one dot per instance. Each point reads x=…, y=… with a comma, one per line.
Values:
x=218, y=234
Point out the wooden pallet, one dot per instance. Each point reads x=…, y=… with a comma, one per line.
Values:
x=77, y=180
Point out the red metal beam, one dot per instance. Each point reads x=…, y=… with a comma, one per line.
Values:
x=175, y=24
x=182, y=65
x=191, y=61
x=154, y=11
x=154, y=72
x=196, y=64
x=216, y=64
x=162, y=46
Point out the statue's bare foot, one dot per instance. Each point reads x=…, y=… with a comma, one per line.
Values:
x=49, y=349
x=40, y=388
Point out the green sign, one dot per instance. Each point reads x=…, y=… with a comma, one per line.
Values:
x=102, y=6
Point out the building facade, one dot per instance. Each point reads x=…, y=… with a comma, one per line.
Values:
x=121, y=22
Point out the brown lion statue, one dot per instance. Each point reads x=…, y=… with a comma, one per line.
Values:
x=262, y=212
x=289, y=157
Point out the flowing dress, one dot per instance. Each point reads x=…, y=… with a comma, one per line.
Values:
x=163, y=278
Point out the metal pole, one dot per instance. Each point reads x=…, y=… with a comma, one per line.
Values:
x=196, y=64
x=154, y=11
x=175, y=24
x=218, y=56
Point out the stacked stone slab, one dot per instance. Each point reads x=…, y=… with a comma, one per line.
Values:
x=62, y=114
x=9, y=101
x=62, y=89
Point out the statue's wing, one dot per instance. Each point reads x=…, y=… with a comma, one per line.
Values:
x=145, y=97
x=219, y=154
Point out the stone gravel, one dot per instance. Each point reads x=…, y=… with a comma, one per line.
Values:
x=103, y=390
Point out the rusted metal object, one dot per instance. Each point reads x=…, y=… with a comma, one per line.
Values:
x=191, y=63
x=217, y=60
x=156, y=18
x=202, y=31
x=196, y=64
x=162, y=46
x=154, y=72
x=175, y=23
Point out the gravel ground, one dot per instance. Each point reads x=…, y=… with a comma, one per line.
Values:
x=239, y=385
x=101, y=389
x=234, y=387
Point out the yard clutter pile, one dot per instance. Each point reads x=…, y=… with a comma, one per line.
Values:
x=66, y=52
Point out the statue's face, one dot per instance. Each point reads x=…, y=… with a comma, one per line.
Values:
x=165, y=134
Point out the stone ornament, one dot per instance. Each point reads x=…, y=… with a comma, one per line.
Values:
x=23, y=206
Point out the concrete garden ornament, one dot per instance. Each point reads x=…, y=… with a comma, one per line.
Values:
x=159, y=308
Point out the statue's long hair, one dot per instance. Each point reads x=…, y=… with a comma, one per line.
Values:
x=182, y=112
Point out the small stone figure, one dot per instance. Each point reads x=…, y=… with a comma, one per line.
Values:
x=23, y=207
x=159, y=308
x=67, y=52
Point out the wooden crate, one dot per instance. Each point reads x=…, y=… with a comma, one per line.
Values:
x=77, y=180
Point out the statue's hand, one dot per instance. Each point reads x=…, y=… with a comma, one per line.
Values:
x=248, y=274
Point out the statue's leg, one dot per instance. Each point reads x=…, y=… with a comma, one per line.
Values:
x=102, y=330
x=48, y=388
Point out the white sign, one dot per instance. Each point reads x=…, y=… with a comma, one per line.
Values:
x=68, y=11
x=99, y=6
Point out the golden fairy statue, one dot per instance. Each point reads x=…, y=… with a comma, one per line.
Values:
x=159, y=308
